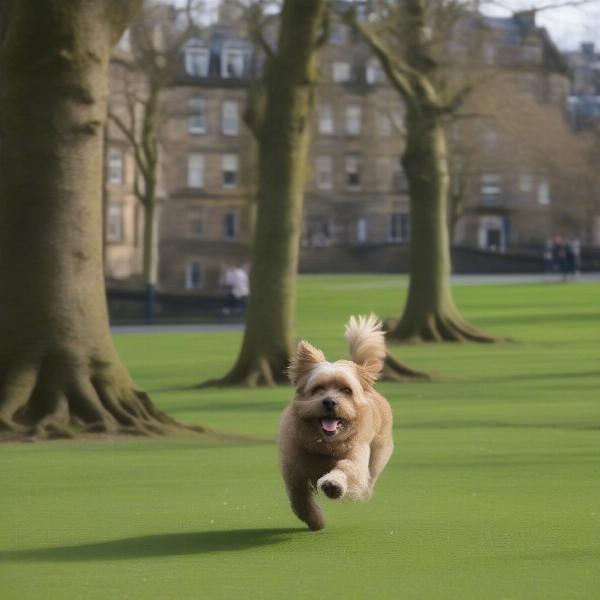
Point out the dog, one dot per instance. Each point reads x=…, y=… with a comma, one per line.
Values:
x=336, y=433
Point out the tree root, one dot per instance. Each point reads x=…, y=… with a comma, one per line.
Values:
x=45, y=409
x=394, y=370
x=437, y=328
x=261, y=372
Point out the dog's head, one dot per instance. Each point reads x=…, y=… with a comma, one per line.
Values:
x=330, y=397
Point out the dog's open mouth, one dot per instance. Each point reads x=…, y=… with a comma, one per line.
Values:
x=330, y=426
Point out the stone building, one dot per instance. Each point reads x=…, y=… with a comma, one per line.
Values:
x=356, y=192
x=512, y=158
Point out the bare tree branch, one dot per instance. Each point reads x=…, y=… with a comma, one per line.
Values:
x=398, y=74
x=325, y=32
x=256, y=23
x=126, y=131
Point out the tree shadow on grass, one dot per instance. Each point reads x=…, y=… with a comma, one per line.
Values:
x=160, y=545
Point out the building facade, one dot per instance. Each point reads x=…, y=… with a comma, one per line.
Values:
x=356, y=191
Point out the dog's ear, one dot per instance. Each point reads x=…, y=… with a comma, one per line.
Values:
x=307, y=357
x=369, y=372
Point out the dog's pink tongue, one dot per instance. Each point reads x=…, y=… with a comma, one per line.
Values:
x=329, y=424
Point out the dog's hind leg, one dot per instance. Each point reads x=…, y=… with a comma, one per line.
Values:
x=303, y=503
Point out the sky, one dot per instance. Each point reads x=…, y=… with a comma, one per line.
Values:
x=568, y=25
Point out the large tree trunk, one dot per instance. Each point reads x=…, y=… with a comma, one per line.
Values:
x=59, y=371
x=430, y=313
x=283, y=137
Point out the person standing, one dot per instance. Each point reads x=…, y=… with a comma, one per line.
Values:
x=240, y=288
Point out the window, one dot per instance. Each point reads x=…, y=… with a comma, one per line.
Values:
x=543, y=192
x=114, y=223
x=492, y=233
x=194, y=276
x=491, y=189
x=195, y=171
x=232, y=63
x=399, y=180
x=338, y=35
x=384, y=125
x=326, y=119
x=196, y=224
x=341, y=72
x=230, y=170
x=352, y=172
x=399, y=227
x=197, y=118
x=324, y=172
x=115, y=167
x=361, y=230
x=230, y=226
x=353, y=115
x=230, y=117
x=525, y=182
x=373, y=72
x=197, y=61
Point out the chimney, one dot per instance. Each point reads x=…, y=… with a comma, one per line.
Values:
x=588, y=49
x=230, y=12
x=525, y=18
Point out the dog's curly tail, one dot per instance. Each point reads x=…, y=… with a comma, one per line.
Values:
x=366, y=341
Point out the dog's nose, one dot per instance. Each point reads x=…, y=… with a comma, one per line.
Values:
x=328, y=403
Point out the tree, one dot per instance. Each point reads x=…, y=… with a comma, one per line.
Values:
x=513, y=132
x=406, y=49
x=279, y=117
x=158, y=35
x=59, y=370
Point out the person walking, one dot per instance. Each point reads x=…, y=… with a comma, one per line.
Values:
x=240, y=288
x=570, y=261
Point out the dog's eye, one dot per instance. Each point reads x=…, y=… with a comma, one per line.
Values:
x=347, y=391
x=317, y=389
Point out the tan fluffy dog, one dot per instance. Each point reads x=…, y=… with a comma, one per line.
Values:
x=336, y=433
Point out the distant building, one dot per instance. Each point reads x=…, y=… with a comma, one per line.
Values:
x=356, y=193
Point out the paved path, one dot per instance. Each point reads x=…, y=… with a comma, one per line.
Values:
x=527, y=278
x=199, y=328
x=386, y=281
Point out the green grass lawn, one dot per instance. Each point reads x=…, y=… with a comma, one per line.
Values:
x=493, y=490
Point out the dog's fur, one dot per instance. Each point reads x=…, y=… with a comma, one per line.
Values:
x=345, y=461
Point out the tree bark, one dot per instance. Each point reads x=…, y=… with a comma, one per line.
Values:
x=283, y=135
x=59, y=371
x=430, y=313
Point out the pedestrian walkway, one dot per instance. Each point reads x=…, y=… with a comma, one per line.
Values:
x=165, y=328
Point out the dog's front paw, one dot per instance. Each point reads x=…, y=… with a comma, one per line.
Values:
x=333, y=485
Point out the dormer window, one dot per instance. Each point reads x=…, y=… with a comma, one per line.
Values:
x=197, y=61
x=232, y=63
